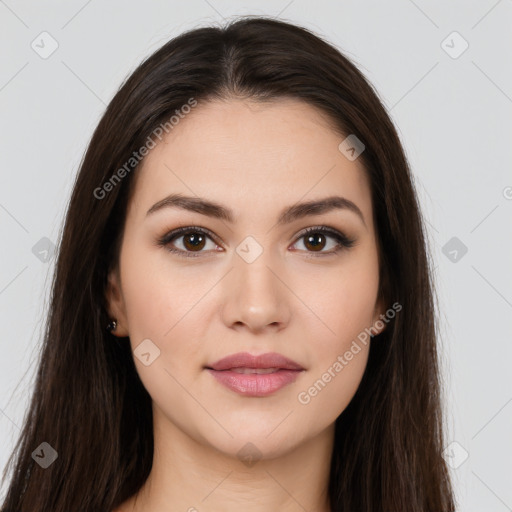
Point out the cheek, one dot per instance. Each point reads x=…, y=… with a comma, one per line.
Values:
x=158, y=293
x=343, y=300
x=344, y=313
x=339, y=351
x=163, y=305
x=332, y=387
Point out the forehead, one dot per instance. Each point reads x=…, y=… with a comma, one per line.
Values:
x=254, y=157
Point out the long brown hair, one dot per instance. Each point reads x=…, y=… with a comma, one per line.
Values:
x=88, y=402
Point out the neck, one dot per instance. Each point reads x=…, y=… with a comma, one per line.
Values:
x=193, y=476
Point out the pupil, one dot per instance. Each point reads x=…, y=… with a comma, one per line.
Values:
x=194, y=241
x=310, y=239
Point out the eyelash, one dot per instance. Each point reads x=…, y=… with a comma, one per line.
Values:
x=343, y=241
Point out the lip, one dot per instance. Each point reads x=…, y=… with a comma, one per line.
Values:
x=255, y=384
x=246, y=360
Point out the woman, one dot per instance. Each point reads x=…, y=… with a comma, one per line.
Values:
x=242, y=313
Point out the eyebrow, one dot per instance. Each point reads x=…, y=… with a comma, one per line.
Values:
x=287, y=215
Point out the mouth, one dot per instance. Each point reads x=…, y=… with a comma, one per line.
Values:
x=258, y=371
x=255, y=376
x=269, y=361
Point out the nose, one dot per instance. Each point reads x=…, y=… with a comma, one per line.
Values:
x=256, y=297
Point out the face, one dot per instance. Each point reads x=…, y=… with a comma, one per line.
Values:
x=250, y=280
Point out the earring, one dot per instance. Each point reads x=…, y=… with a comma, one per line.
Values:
x=112, y=325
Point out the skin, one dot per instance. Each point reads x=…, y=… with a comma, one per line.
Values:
x=255, y=159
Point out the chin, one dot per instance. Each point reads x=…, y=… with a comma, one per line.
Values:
x=253, y=443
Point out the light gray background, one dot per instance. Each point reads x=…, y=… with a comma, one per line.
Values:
x=454, y=116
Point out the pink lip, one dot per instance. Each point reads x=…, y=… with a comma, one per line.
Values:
x=253, y=384
x=246, y=360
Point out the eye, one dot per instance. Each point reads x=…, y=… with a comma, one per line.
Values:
x=315, y=239
x=193, y=241
x=190, y=241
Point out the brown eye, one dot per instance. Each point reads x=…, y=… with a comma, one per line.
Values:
x=194, y=241
x=315, y=241
x=188, y=241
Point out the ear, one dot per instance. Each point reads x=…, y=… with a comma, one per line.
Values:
x=115, y=303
